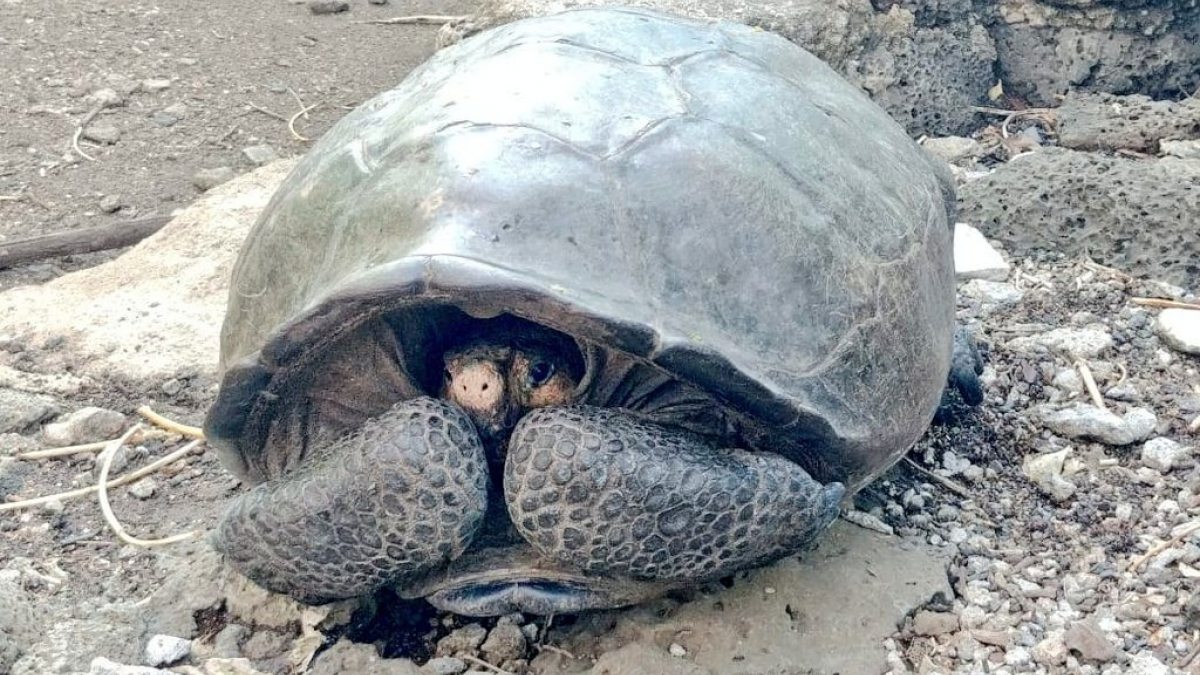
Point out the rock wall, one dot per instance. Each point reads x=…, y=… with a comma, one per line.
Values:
x=927, y=62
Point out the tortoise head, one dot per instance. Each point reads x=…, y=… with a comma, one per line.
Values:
x=504, y=368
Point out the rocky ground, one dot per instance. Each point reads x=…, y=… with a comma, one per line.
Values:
x=1061, y=521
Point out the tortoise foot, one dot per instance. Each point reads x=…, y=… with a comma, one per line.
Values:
x=964, y=390
x=404, y=494
x=604, y=492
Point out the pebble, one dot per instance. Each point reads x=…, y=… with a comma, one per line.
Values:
x=166, y=650
x=111, y=204
x=1086, y=421
x=105, y=134
x=1089, y=641
x=464, y=640
x=1163, y=454
x=20, y=411
x=1045, y=471
x=1087, y=342
x=169, y=116
x=378, y=2
x=207, y=179
x=953, y=149
x=86, y=425
x=993, y=294
x=1183, y=149
x=260, y=154
x=155, y=85
x=504, y=643
x=328, y=6
x=932, y=624
x=144, y=488
x=677, y=650
x=106, y=98
x=1179, y=329
x=1051, y=651
x=975, y=258
x=102, y=666
x=444, y=665
x=1144, y=663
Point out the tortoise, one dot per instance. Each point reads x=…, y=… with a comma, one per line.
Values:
x=591, y=306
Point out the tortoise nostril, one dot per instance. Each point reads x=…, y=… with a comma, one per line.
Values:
x=485, y=386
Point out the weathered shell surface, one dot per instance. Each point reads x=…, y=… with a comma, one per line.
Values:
x=707, y=196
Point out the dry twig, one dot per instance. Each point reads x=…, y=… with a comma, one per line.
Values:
x=945, y=482
x=268, y=113
x=418, y=20
x=558, y=650
x=106, y=460
x=1162, y=546
x=303, y=111
x=170, y=425
x=1164, y=304
x=483, y=664
x=116, y=482
x=67, y=451
x=1089, y=383
x=87, y=119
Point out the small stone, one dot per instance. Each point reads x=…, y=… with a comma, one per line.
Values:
x=1045, y=471
x=144, y=488
x=974, y=257
x=378, y=2
x=328, y=6
x=464, y=640
x=260, y=154
x=506, y=642
x=677, y=650
x=265, y=644
x=102, y=666
x=106, y=98
x=1086, y=639
x=86, y=425
x=444, y=665
x=228, y=643
x=1050, y=651
x=1088, y=342
x=932, y=624
x=111, y=204
x=153, y=86
x=54, y=506
x=992, y=293
x=1163, y=454
x=1145, y=663
x=1068, y=380
x=1184, y=149
x=1017, y=657
x=207, y=179
x=164, y=118
x=1086, y=421
x=20, y=411
x=995, y=638
x=166, y=650
x=105, y=134
x=1179, y=329
x=952, y=149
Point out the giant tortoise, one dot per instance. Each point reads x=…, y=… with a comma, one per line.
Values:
x=590, y=306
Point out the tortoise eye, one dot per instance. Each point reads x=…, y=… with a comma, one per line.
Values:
x=540, y=372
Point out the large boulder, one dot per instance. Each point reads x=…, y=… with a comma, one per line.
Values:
x=1139, y=215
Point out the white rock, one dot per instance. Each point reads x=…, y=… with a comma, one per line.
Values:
x=1185, y=149
x=144, y=488
x=1078, y=343
x=1163, y=454
x=1051, y=651
x=1083, y=420
x=974, y=257
x=1145, y=663
x=86, y=425
x=1045, y=471
x=102, y=666
x=1180, y=329
x=1068, y=380
x=951, y=149
x=1017, y=657
x=165, y=650
x=677, y=650
x=992, y=293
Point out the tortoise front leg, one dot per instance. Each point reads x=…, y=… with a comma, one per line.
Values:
x=402, y=495
x=605, y=492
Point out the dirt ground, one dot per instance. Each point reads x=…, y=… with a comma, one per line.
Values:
x=230, y=74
